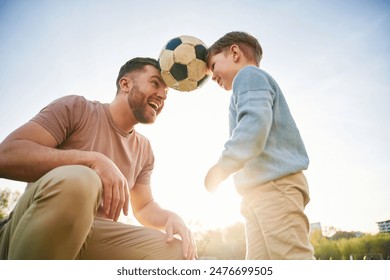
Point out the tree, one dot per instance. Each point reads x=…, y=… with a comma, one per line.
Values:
x=7, y=201
x=344, y=235
x=222, y=244
x=345, y=246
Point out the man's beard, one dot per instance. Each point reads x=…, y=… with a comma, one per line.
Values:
x=137, y=103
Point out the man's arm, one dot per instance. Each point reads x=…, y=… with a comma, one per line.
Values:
x=29, y=152
x=150, y=214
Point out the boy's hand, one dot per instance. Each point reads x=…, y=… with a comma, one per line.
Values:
x=215, y=176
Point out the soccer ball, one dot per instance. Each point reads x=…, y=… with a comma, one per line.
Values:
x=183, y=63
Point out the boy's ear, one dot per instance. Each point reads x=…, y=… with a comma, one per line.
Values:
x=235, y=52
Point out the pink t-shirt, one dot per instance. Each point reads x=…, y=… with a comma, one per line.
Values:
x=79, y=124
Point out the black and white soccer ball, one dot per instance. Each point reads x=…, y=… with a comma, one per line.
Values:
x=183, y=63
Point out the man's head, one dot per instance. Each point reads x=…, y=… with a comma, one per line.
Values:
x=229, y=54
x=141, y=86
x=136, y=64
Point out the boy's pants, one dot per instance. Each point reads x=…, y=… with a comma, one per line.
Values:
x=276, y=226
x=55, y=219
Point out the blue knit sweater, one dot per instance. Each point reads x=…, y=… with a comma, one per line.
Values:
x=264, y=143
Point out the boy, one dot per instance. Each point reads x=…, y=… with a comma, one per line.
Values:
x=265, y=151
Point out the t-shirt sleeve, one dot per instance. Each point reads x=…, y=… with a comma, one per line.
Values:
x=144, y=177
x=62, y=116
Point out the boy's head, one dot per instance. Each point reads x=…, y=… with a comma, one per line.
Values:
x=248, y=44
x=230, y=53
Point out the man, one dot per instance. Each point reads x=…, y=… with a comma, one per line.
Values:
x=85, y=164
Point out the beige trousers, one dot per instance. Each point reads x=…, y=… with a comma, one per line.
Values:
x=55, y=219
x=275, y=223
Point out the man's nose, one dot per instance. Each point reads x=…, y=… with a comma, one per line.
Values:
x=162, y=94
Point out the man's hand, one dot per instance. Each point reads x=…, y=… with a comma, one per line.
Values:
x=115, y=188
x=175, y=225
x=215, y=176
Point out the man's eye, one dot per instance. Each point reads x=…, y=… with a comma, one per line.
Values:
x=155, y=84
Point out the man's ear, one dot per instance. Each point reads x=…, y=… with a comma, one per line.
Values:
x=235, y=52
x=125, y=84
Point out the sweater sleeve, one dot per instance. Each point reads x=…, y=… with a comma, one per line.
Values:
x=252, y=104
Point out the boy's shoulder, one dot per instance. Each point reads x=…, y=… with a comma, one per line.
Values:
x=252, y=71
x=251, y=77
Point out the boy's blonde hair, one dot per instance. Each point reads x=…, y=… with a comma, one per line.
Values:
x=247, y=43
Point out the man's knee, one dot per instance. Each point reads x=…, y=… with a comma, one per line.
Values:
x=75, y=185
x=78, y=178
x=167, y=251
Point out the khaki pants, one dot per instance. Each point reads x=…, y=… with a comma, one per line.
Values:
x=275, y=224
x=55, y=219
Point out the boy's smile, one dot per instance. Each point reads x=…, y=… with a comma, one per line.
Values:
x=225, y=65
x=223, y=69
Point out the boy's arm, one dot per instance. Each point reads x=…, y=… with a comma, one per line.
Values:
x=248, y=139
x=254, y=120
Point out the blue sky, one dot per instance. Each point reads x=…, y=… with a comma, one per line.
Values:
x=331, y=59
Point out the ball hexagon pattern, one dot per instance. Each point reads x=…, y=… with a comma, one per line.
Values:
x=183, y=63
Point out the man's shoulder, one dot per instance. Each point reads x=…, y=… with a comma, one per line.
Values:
x=141, y=138
x=71, y=97
x=69, y=100
x=76, y=102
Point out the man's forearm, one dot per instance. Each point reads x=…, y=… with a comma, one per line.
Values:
x=24, y=160
x=152, y=215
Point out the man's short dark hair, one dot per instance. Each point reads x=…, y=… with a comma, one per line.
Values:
x=136, y=64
